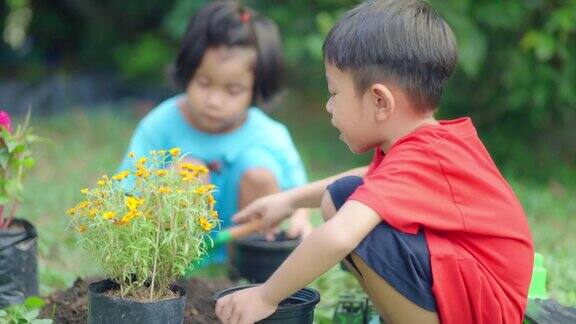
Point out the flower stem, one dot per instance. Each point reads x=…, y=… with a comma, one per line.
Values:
x=155, y=260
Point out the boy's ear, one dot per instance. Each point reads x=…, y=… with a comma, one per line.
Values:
x=382, y=100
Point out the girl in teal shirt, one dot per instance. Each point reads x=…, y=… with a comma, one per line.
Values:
x=230, y=60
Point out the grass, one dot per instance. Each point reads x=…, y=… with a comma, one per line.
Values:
x=86, y=144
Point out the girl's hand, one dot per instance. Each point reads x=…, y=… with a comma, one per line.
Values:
x=270, y=209
x=300, y=225
x=246, y=306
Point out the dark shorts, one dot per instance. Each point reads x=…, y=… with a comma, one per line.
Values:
x=399, y=258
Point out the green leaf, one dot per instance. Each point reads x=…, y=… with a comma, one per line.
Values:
x=29, y=163
x=543, y=44
x=472, y=43
x=507, y=15
x=4, y=158
x=14, y=188
x=41, y=321
x=32, y=314
x=34, y=302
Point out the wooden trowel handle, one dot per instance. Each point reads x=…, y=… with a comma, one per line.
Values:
x=245, y=229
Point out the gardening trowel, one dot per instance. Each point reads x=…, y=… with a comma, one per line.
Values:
x=228, y=235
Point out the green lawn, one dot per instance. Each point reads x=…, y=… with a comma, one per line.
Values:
x=84, y=145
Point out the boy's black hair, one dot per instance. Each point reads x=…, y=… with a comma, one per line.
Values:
x=225, y=23
x=401, y=41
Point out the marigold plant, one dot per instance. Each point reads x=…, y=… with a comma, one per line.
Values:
x=145, y=238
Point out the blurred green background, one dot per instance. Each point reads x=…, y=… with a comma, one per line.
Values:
x=516, y=78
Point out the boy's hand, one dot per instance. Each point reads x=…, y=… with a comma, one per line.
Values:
x=246, y=306
x=270, y=209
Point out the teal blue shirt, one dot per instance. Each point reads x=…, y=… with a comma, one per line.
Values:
x=260, y=142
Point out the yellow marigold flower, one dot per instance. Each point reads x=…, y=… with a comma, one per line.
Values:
x=92, y=213
x=175, y=151
x=131, y=155
x=141, y=162
x=161, y=173
x=214, y=214
x=101, y=183
x=186, y=176
x=211, y=201
x=82, y=205
x=205, y=224
x=164, y=190
x=128, y=217
x=200, y=190
x=132, y=202
x=200, y=170
x=108, y=215
x=121, y=175
x=85, y=191
x=71, y=211
x=162, y=152
x=187, y=166
x=142, y=172
x=82, y=228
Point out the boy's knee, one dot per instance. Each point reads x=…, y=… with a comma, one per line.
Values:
x=258, y=179
x=327, y=206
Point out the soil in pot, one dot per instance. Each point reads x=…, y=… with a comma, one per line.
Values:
x=71, y=306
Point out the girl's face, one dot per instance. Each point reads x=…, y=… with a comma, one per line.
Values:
x=221, y=90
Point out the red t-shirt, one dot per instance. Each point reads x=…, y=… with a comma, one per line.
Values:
x=441, y=178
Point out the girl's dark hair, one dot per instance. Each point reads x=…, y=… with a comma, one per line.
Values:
x=225, y=23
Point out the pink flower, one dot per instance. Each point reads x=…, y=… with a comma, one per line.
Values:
x=5, y=120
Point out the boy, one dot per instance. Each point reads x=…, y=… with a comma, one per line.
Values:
x=432, y=230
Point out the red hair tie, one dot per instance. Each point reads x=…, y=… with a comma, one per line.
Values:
x=245, y=17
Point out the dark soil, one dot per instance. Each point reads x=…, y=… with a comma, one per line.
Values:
x=70, y=306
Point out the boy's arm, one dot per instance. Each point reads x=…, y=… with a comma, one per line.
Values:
x=274, y=208
x=320, y=251
x=310, y=195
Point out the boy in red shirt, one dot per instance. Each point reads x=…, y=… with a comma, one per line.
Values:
x=431, y=229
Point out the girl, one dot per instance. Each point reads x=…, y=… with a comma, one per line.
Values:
x=230, y=59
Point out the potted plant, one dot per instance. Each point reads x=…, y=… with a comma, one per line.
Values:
x=145, y=238
x=18, y=259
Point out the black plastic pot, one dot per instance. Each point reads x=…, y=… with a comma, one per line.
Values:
x=255, y=258
x=18, y=263
x=296, y=309
x=110, y=310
